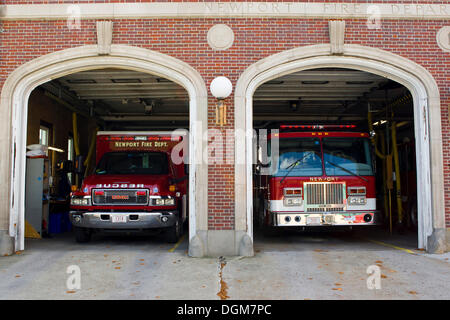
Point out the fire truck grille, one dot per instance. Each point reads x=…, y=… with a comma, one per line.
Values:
x=120, y=197
x=321, y=197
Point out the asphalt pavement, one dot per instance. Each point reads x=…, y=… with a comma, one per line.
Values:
x=290, y=265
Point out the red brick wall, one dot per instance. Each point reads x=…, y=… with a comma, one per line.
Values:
x=255, y=39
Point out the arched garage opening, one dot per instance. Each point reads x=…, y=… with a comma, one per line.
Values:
x=25, y=79
x=426, y=109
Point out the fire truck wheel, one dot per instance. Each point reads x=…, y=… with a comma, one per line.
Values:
x=173, y=233
x=82, y=235
x=269, y=231
x=261, y=214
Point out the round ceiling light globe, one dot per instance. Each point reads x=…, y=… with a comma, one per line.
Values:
x=221, y=87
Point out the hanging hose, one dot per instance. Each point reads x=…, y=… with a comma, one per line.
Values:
x=75, y=134
x=389, y=187
x=88, y=161
x=76, y=144
x=388, y=172
x=374, y=139
x=387, y=169
x=385, y=174
x=397, y=173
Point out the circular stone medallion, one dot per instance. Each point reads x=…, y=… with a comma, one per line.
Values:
x=443, y=38
x=220, y=37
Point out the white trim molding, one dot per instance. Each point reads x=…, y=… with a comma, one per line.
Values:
x=226, y=10
x=13, y=125
x=336, y=29
x=104, y=36
x=427, y=122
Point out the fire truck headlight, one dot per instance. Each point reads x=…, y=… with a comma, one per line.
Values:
x=80, y=201
x=359, y=201
x=292, y=202
x=169, y=202
x=293, y=192
x=164, y=202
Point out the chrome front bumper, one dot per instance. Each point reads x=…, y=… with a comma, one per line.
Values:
x=343, y=218
x=132, y=220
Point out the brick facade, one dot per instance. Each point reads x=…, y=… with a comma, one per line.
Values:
x=255, y=38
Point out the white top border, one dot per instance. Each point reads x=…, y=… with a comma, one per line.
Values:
x=225, y=10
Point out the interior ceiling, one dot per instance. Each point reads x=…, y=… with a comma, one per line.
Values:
x=125, y=99
x=331, y=94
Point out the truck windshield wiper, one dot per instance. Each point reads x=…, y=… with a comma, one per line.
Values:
x=293, y=165
x=346, y=170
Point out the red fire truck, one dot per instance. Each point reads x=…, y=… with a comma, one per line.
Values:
x=321, y=176
x=135, y=187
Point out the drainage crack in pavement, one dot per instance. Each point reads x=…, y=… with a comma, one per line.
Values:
x=222, y=284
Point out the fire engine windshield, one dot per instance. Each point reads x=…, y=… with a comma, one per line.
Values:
x=298, y=157
x=153, y=163
x=347, y=156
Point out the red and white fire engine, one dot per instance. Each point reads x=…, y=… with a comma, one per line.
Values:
x=136, y=186
x=322, y=175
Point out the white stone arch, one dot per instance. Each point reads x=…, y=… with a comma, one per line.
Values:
x=427, y=116
x=13, y=123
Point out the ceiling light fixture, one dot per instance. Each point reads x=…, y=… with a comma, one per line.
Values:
x=81, y=81
x=315, y=82
x=295, y=104
x=126, y=80
x=148, y=108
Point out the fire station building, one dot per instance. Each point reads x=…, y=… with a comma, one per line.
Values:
x=149, y=66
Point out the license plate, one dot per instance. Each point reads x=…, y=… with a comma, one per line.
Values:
x=120, y=197
x=120, y=219
x=313, y=220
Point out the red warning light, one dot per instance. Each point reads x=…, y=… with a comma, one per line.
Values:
x=319, y=126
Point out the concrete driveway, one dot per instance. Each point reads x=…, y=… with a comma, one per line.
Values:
x=286, y=266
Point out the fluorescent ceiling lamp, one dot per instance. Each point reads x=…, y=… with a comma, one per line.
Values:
x=379, y=122
x=55, y=149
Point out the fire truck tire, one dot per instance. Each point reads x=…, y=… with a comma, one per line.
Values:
x=82, y=235
x=173, y=234
x=269, y=231
x=261, y=214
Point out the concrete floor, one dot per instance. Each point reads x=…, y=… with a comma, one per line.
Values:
x=286, y=266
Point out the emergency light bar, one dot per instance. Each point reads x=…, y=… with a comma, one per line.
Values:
x=318, y=126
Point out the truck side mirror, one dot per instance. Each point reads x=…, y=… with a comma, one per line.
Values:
x=262, y=165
